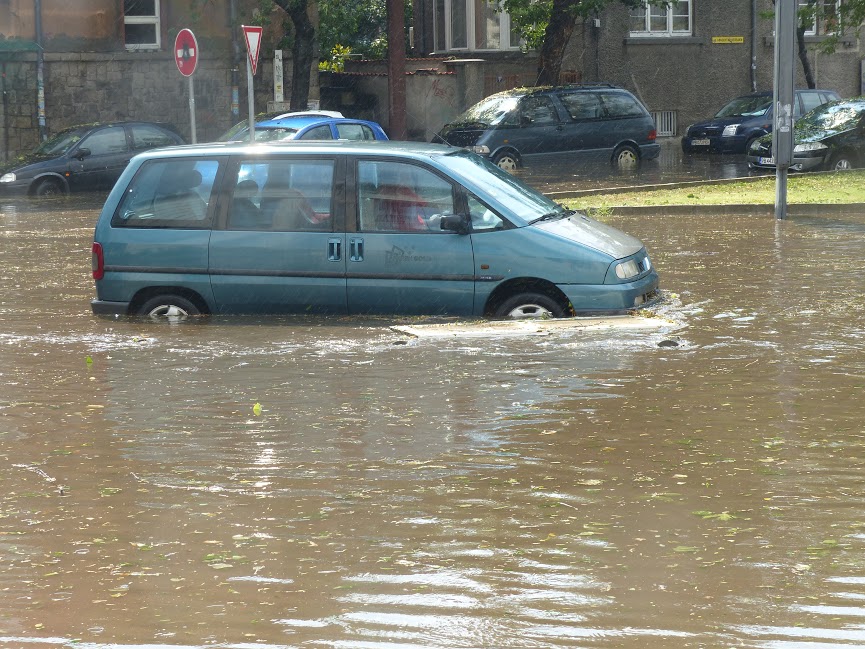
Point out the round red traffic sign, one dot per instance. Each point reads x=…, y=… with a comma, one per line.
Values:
x=186, y=52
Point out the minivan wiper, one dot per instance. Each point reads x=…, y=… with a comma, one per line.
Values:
x=560, y=212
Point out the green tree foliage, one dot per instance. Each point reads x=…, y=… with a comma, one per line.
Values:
x=359, y=25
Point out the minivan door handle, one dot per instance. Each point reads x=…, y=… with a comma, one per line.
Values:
x=355, y=249
x=334, y=249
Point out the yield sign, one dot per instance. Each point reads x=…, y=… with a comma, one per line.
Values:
x=186, y=52
x=253, y=44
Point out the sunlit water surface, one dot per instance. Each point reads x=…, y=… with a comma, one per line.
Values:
x=580, y=489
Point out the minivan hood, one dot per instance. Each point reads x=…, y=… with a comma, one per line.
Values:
x=460, y=133
x=594, y=234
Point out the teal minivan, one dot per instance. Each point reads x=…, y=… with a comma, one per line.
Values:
x=351, y=228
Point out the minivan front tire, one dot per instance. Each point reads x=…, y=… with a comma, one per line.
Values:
x=507, y=161
x=169, y=308
x=530, y=306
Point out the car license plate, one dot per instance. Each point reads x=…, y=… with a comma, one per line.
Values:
x=704, y=142
x=766, y=161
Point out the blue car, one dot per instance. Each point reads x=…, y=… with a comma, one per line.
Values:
x=351, y=228
x=745, y=119
x=307, y=125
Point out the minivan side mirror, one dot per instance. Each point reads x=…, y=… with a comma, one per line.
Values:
x=82, y=153
x=459, y=223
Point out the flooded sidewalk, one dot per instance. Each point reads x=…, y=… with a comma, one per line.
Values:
x=334, y=482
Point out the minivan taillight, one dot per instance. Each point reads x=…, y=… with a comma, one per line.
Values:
x=97, y=261
x=653, y=135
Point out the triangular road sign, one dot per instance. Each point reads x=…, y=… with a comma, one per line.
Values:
x=253, y=44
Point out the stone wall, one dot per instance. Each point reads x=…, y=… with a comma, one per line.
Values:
x=90, y=87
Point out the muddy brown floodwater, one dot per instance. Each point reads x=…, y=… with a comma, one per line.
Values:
x=581, y=489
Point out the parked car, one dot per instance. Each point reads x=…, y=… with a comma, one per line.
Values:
x=744, y=119
x=351, y=227
x=830, y=137
x=238, y=132
x=313, y=125
x=598, y=122
x=89, y=157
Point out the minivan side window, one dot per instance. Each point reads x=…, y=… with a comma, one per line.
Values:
x=282, y=195
x=582, y=105
x=621, y=105
x=538, y=110
x=168, y=194
x=483, y=218
x=401, y=197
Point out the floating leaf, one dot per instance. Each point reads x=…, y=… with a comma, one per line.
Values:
x=88, y=360
x=256, y=409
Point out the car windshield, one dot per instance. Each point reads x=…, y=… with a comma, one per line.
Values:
x=489, y=112
x=509, y=192
x=746, y=106
x=273, y=133
x=832, y=117
x=60, y=143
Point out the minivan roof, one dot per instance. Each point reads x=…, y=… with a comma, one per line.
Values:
x=420, y=149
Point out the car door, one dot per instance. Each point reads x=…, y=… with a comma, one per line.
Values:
x=99, y=158
x=280, y=245
x=584, y=136
x=540, y=129
x=399, y=260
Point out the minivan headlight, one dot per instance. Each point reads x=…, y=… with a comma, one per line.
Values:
x=7, y=178
x=480, y=148
x=809, y=146
x=627, y=269
x=730, y=130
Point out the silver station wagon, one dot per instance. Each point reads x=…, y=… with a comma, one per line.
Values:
x=351, y=228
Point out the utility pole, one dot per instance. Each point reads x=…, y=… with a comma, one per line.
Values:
x=396, y=69
x=782, y=98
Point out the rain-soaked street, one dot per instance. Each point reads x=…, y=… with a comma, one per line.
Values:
x=697, y=484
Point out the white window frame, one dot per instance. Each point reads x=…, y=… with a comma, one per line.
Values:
x=669, y=31
x=154, y=20
x=471, y=23
x=816, y=27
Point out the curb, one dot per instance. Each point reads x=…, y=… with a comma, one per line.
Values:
x=796, y=209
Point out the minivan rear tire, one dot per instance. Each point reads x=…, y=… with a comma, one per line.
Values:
x=530, y=306
x=626, y=158
x=170, y=308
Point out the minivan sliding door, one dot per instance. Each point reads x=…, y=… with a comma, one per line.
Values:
x=279, y=249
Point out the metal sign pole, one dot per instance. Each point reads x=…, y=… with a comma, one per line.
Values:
x=251, y=100
x=192, y=108
x=782, y=98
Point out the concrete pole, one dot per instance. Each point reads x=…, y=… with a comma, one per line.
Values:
x=782, y=98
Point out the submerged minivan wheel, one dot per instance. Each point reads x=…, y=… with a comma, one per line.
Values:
x=507, y=161
x=626, y=158
x=529, y=306
x=171, y=308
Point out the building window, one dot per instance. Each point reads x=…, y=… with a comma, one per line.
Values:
x=673, y=19
x=824, y=19
x=141, y=24
x=472, y=25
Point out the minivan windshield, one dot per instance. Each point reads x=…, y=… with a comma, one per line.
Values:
x=490, y=111
x=511, y=195
x=748, y=106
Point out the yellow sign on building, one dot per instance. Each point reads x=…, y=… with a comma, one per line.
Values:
x=728, y=39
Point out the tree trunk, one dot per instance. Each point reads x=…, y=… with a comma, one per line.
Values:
x=301, y=53
x=803, y=57
x=556, y=37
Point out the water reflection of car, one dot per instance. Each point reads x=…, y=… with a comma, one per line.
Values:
x=589, y=123
x=744, y=119
x=352, y=227
x=306, y=125
x=89, y=157
x=830, y=137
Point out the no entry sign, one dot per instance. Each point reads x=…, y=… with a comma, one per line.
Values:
x=186, y=52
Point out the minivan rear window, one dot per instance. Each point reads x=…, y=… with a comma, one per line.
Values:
x=621, y=105
x=169, y=194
